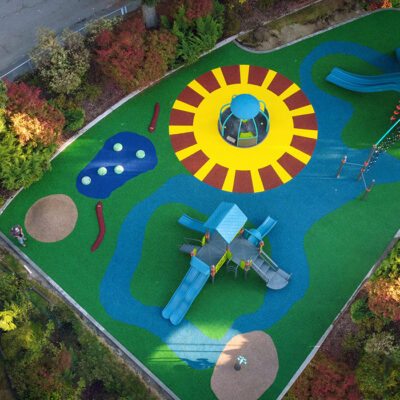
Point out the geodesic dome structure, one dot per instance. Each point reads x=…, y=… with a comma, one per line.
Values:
x=243, y=122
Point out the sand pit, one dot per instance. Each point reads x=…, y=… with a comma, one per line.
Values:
x=254, y=378
x=52, y=218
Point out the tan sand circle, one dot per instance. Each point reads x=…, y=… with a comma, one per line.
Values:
x=255, y=377
x=51, y=218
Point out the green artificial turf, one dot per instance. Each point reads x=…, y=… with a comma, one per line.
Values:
x=340, y=248
x=339, y=252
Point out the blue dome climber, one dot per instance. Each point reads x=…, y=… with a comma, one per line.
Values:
x=245, y=106
x=243, y=122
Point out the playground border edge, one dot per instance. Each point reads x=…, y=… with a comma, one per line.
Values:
x=36, y=273
x=311, y=355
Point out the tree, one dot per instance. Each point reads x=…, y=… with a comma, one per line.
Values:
x=61, y=63
x=359, y=310
x=378, y=376
x=31, y=118
x=384, y=298
x=22, y=165
x=381, y=343
x=325, y=379
x=6, y=320
x=133, y=56
x=197, y=26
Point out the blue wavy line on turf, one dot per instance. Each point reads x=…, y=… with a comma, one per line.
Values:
x=297, y=205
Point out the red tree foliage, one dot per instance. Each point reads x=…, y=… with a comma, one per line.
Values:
x=384, y=298
x=380, y=4
x=32, y=118
x=133, y=56
x=198, y=8
x=325, y=379
x=194, y=8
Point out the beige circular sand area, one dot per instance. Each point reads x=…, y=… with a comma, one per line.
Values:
x=254, y=378
x=52, y=218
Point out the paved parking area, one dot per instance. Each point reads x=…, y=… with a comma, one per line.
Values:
x=19, y=20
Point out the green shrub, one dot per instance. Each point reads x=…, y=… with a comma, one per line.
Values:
x=265, y=4
x=22, y=165
x=194, y=36
x=359, y=310
x=378, y=376
x=61, y=65
x=355, y=342
x=97, y=26
x=390, y=267
x=90, y=91
x=150, y=3
x=381, y=343
x=232, y=22
x=74, y=119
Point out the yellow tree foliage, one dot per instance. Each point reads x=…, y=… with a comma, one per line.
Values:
x=6, y=320
x=27, y=128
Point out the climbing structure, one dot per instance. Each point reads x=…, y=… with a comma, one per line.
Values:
x=383, y=144
x=225, y=242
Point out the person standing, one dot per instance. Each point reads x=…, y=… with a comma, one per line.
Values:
x=17, y=232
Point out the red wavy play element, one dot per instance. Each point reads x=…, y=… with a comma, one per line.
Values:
x=102, y=227
x=153, y=122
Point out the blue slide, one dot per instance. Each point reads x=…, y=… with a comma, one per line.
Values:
x=365, y=83
x=187, y=291
x=266, y=226
x=192, y=223
x=256, y=235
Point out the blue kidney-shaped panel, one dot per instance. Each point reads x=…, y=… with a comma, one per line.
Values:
x=101, y=187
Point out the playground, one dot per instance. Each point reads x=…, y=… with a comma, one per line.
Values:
x=256, y=198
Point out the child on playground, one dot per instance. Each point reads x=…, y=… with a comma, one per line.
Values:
x=17, y=232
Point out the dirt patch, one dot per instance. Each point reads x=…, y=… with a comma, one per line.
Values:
x=255, y=377
x=52, y=218
x=320, y=16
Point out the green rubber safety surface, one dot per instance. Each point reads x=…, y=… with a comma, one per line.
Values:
x=347, y=242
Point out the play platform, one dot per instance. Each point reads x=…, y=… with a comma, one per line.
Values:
x=223, y=243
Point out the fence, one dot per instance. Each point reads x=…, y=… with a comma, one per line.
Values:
x=27, y=65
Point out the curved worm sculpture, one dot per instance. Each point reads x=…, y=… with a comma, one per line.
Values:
x=102, y=227
x=153, y=122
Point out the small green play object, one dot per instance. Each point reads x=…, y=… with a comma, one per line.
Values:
x=117, y=147
x=140, y=154
x=118, y=169
x=102, y=171
x=86, y=180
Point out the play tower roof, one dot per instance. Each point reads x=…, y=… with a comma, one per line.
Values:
x=227, y=220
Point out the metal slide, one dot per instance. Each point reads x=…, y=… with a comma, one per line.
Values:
x=192, y=223
x=265, y=267
x=365, y=83
x=187, y=291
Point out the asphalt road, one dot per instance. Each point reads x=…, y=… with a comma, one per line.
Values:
x=19, y=20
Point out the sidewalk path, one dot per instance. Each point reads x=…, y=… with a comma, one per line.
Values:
x=19, y=20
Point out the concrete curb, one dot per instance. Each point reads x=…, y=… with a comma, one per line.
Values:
x=302, y=367
x=36, y=273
